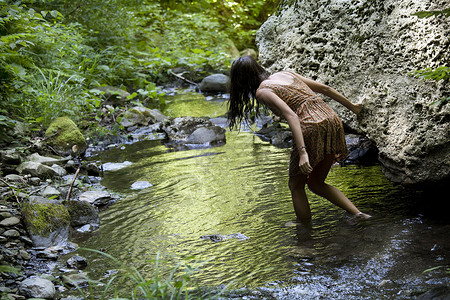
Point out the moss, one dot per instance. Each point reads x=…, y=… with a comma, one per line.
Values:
x=44, y=218
x=63, y=134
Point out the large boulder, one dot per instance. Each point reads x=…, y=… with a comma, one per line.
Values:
x=216, y=83
x=65, y=137
x=367, y=49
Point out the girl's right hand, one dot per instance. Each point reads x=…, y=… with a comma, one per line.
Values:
x=357, y=108
x=305, y=167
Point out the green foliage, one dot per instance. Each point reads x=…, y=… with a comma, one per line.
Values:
x=168, y=281
x=54, y=53
x=442, y=72
x=433, y=13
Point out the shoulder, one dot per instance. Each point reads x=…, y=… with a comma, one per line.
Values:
x=263, y=92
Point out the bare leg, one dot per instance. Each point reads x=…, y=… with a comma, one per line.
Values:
x=316, y=183
x=299, y=198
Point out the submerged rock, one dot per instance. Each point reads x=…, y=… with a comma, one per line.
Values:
x=219, y=238
x=97, y=198
x=140, y=185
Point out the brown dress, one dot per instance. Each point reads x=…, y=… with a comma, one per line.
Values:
x=322, y=129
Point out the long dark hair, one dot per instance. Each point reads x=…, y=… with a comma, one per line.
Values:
x=246, y=75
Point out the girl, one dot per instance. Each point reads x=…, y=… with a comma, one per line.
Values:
x=317, y=131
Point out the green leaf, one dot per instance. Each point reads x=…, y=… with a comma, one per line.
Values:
x=54, y=13
x=434, y=13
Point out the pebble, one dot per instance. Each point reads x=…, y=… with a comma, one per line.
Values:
x=11, y=233
x=5, y=214
x=77, y=262
x=80, y=279
x=10, y=222
x=24, y=255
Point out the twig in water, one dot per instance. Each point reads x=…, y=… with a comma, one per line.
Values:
x=71, y=184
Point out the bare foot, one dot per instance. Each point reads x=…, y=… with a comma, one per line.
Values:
x=292, y=224
x=361, y=216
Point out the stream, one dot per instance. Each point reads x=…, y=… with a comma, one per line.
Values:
x=238, y=191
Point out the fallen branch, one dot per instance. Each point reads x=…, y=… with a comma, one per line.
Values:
x=71, y=184
x=182, y=78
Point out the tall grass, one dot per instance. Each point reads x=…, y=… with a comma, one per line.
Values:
x=129, y=283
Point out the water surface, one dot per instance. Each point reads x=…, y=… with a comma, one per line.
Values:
x=241, y=187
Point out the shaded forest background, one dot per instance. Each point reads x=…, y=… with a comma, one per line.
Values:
x=56, y=54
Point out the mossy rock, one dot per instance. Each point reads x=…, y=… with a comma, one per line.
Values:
x=46, y=222
x=136, y=116
x=63, y=135
x=82, y=213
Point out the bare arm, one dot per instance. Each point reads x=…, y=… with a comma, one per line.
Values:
x=267, y=97
x=332, y=93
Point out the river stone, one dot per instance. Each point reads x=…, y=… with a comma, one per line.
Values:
x=182, y=130
x=367, y=49
x=82, y=213
x=60, y=171
x=36, y=169
x=47, y=222
x=140, y=185
x=23, y=254
x=76, y=280
x=5, y=214
x=115, y=166
x=156, y=116
x=137, y=115
x=98, y=198
x=36, y=287
x=77, y=262
x=50, y=192
x=205, y=135
x=45, y=160
x=11, y=221
x=10, y=157
x=65, y=137
x=11, y=233
x=216, y=83
x=14, y=178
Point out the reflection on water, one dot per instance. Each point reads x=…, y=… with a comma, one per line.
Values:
x=241, y=187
